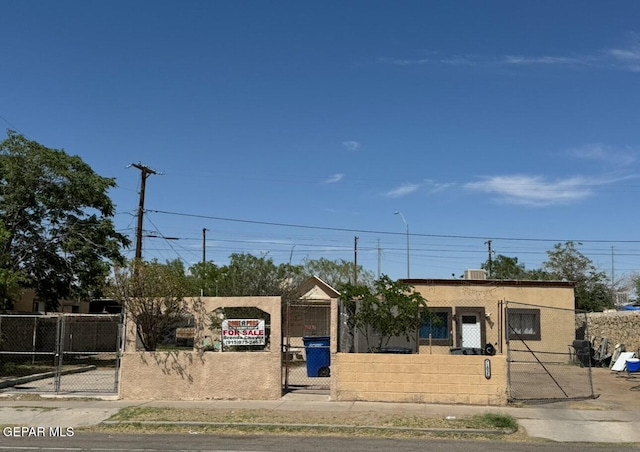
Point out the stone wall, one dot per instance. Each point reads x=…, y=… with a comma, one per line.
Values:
x=619, y=327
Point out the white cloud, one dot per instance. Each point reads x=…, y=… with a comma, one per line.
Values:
x=536, y=191
x=547, y=60
x=405, y=62
x=459, y=61
x=335, y=178
x=606, y=154
x=402, y=190
x=626, y=57
x=435, y=186
x=351, y=145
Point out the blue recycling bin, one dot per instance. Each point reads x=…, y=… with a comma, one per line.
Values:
x=318, y=356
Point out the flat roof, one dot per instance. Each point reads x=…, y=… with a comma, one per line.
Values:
x=489, y=282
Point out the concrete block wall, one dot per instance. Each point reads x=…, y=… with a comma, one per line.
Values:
x=619, y=327
x=446, y=379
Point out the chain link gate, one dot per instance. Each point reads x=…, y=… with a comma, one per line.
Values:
x=60, y=353
x=542, y=363
x=306, y=346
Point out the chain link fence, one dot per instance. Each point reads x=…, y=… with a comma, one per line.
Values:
x=546, y=362
x=306, y=346
x=60, y=353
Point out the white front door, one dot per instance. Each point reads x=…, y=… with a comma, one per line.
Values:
x=471, y=331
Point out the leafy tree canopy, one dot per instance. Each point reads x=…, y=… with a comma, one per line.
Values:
x=338, y=272
x=567, y=263
x=249, y=275
x=245, y=275
x=58, y=219
x=503, y=267
x=10, y=280
x=389, y=309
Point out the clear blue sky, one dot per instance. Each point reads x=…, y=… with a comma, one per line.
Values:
x=291, y=127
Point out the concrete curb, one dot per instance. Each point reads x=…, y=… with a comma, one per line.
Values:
x=29, y=378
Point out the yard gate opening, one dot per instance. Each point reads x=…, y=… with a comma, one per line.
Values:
x=542, y=362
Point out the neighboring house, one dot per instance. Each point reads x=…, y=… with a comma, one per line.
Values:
x=31, y=304
x=309, y=315
x=475, y=316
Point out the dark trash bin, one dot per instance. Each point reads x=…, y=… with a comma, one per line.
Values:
x=469, y=351
x=318, y=356
x=584, y=352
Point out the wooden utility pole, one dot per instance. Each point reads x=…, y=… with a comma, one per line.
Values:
x=488, y=243
x=204, y=245
x=355, y=261
x=144, y=173
x=379, y=259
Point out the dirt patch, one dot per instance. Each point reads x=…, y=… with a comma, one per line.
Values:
x=613, y=390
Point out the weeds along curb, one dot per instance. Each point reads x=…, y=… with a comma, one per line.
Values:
x=243, y=425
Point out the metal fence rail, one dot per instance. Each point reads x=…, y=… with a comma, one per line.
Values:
x=542, y=361
x=60, y=353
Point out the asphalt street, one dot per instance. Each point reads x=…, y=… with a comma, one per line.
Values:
x=215, y=443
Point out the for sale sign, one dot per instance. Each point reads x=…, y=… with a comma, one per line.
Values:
x=243, y=332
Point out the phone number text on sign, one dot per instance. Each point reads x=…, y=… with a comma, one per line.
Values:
x=243, y=332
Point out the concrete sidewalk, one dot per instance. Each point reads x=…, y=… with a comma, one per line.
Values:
x=554, y=422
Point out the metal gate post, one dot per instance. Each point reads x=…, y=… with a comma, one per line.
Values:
x=587, y=334
x=58, y=353
x=119, y=350
x=287, y=346
x=508, y=342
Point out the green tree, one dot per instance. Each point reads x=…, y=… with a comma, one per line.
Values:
x=389, y=309
x=247, y=275
x=10, y=280
x=152, y=295
x=338, y=272
x=58, y=219
x=567, y=263
x=205, y=277
x=503, y=267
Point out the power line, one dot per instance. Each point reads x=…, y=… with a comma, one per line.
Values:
x=366, y=231
x=12, y=126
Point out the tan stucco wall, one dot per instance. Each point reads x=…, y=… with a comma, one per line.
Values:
x=557, y=326
x=200, y=375
x=197, y=375
x=418, y=378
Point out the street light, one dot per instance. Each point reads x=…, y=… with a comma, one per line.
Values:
x=407, y=225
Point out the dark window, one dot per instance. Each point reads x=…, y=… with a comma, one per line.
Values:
x=437, y=327
x=523, y=324
x=469, y=319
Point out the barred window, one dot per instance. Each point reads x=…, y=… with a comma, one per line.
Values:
x=523, y=324
x=437, y=327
